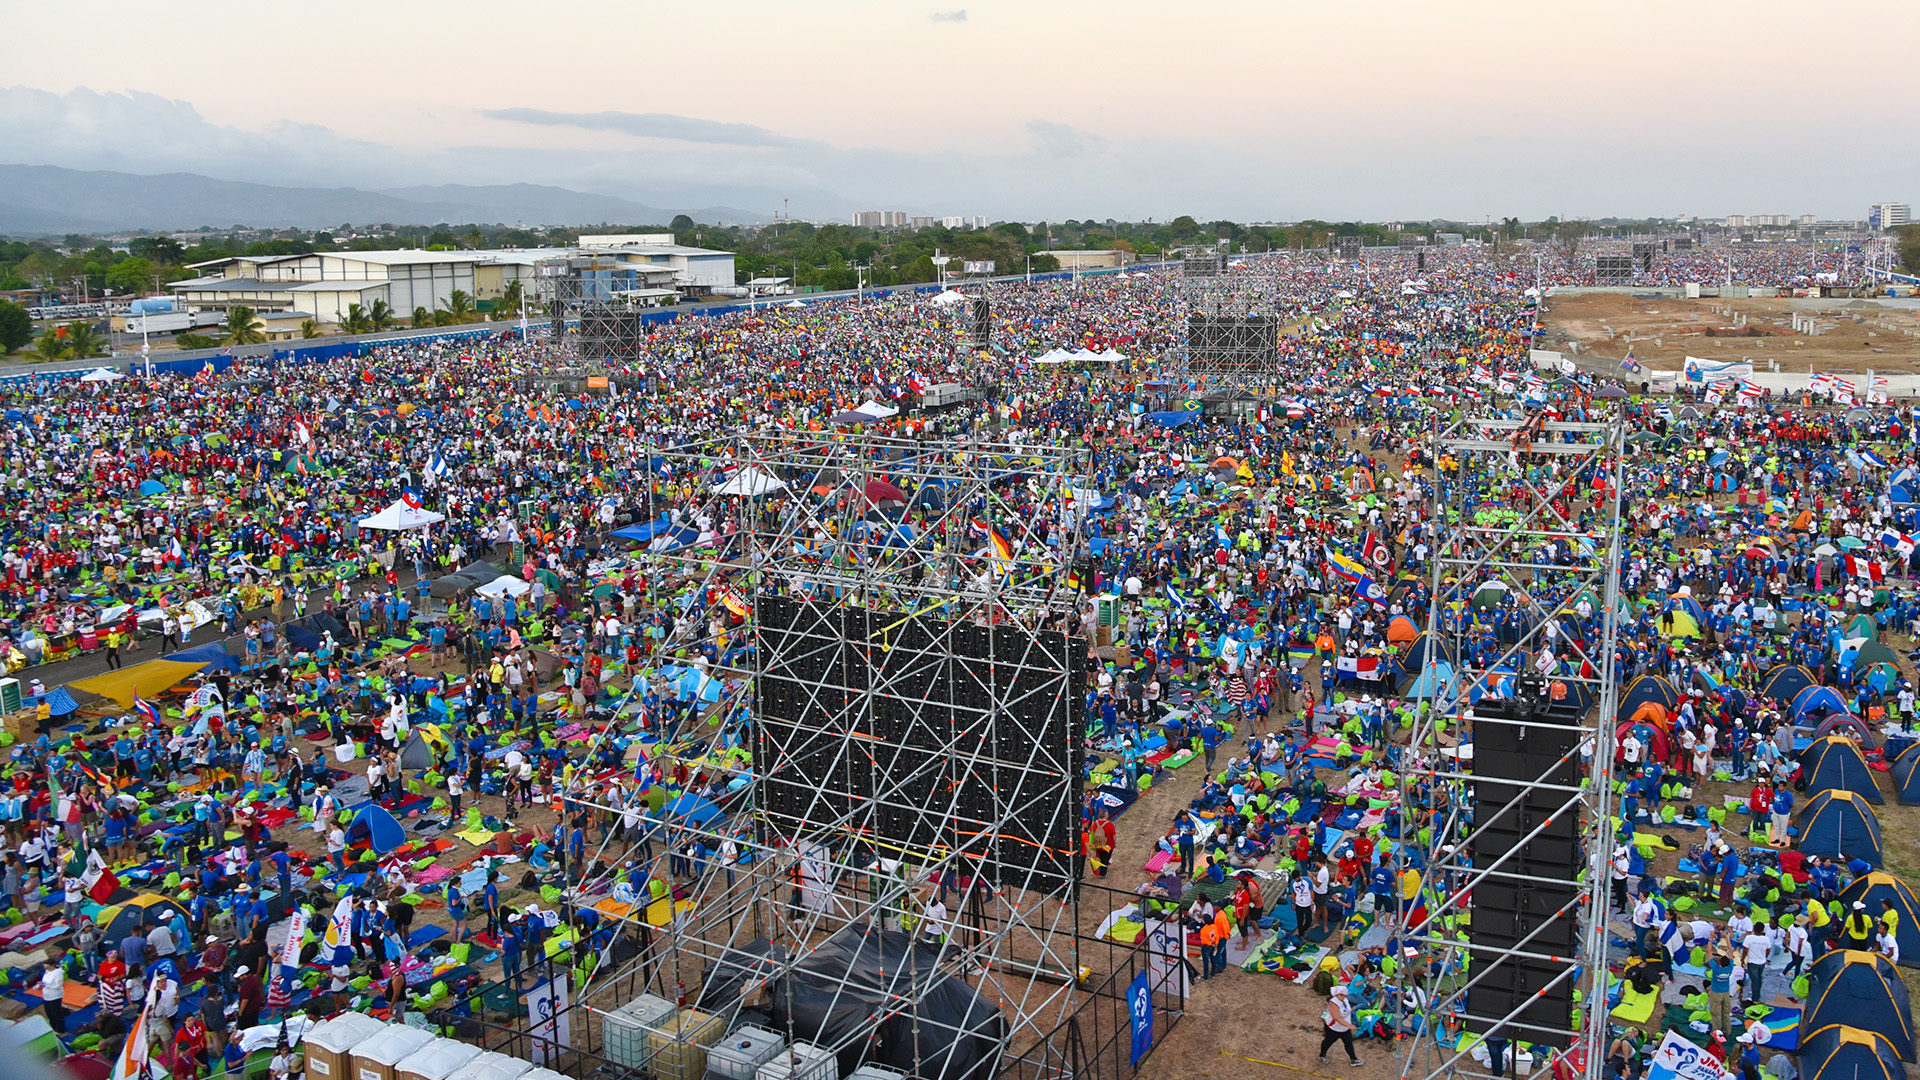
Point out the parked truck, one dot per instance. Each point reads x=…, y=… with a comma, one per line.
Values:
x=943, y=395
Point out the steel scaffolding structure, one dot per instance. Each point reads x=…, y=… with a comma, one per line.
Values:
x=1530, y=512
x=899, y=719
x=1233, y=327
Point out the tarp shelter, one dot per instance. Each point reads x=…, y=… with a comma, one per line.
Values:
x=480, y=572
x=1873, y=888
x=1813, y=699
x=1840, y=1052
x=378, y=828
x=402, y=518
x=136, y=915
x=749, y=481
x=1645, y=688
x=504, y=585
x=1840, y=825
x=1175, y=419
x=60, y=703
x=450, y=586
x=1861, y=989
x=1835, y=763
x=694, y=809
x=307, y=633
x=645, y=531
x=1906, y=774
x=1783, y=682
x=148, y=681
x=213, y=654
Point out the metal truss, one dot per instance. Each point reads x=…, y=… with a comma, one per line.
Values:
x=862, y=561
x=1232, y=322
x=1554, y=547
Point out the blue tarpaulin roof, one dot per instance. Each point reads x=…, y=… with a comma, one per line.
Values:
x=646, y=531
x=215, y=656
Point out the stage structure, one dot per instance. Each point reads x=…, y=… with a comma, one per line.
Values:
x=604, y=301
x=1521, y=834
x=903, y=676
x=1233, y=327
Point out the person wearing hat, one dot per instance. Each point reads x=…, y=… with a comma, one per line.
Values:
x=1856, y=930
x=250, y=995
x=1337, y=1027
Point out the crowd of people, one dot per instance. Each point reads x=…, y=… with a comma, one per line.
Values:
x=510, y=681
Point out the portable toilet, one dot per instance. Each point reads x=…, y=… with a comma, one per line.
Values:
x=435, y=1061
x=376, y=1058
x=491, y=1066
x=329, y=1043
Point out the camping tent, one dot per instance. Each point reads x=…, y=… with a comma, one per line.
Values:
x=1645, y=688
x=1678, y=623
x=1783, y=682
x=1836, y=763
x=1840, y=1052
x=59, y=703
x=1861, y=989
x=1840, y=824
x=135, y=915
x=1436, y=680
x=1854, y=726
x=749, y=481
x=214, y=655
x=1400, y=628
x=401, y=517
x=1423, y=649
x=504, y=585
x=148, y=680
x=1814, y=698
x=1906, y=774
x=378, y=828
x=1872, y=888
x=425, y=744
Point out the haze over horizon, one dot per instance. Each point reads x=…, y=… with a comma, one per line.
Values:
x=1045, y=109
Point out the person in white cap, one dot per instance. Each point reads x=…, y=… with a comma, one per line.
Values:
x=1338, y=1026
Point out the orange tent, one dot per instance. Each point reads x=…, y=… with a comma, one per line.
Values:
x=1401, y=630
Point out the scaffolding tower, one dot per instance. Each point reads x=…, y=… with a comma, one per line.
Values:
x=1514, y=843
x=1233, y=326
x=894, y=716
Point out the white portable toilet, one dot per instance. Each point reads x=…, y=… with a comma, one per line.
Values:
x=491, y=1066
x=375, y=1058
x=435, y=1061
x=330, y=1043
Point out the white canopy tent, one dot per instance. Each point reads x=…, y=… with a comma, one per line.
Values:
x=877, y=410
x=402, y=518
x=102, y=375
x=949, y=296
x=504, y=585
x=750, y=481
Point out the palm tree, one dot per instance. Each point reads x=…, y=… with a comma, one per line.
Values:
x=458, y=310
x=422, y=318
x=382, y=315
x=240, y=328
x=83, y=341
x=509, y=305
x=51, y=344
x=309, y=328
x=356, y=320
x=192, y=340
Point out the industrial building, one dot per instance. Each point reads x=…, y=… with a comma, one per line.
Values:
x=1089, y=258
x=1889, y=215
x=327, y=284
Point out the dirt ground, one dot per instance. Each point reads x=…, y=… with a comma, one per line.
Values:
x=1853, y=335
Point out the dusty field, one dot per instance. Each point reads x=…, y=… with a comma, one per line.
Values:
x=1853, y=335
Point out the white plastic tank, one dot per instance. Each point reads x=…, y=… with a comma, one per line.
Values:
x=625, y=1031
x=740, y=1055
x=801, y=1061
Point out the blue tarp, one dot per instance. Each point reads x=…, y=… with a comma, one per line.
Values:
x=216, y=657
x=1174, y=419
x=648, y=531
x=694, y=809
x=60, y=702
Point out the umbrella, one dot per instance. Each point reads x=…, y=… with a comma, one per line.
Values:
x=880, y=493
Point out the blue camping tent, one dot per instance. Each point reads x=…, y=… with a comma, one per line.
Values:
x=694, y=809
x=1436, y=680
x=1840, y=825
x=1876, y=889
x=1906, y=774
x=1783, y=682
x=214, y=655
x=1861, y=989
x=60, y=703
x=1835, y=763
x=1814, y=698
x=1649, y=688
x=1841, y=1052
x=378, y=828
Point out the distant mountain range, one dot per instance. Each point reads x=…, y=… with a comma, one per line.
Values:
x=41, y=200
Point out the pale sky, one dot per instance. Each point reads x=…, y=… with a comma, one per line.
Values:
x=1371, y=109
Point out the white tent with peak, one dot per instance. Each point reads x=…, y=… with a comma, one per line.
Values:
x=400, y=517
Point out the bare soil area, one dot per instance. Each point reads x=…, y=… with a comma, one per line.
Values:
x=1850, y=335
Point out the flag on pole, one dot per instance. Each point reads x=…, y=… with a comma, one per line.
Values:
x=132, y=1062
x=1898, y=541
x=1864, y=568
x=145, y=710
x=1630, y=363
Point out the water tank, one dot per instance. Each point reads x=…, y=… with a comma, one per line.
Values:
x=151, y=305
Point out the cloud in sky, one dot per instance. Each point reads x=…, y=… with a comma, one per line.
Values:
x=649, y=126
x=949, y=16
x=1064, y=140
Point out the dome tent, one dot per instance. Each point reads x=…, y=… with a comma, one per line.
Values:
x=1835, y=763
x=378, y=828
x=1840, y=1052
x=1783, y=682
x=1906, y=774
x=1874, y=888
x=1649, y=688
x=1810, y=701
x=1861, y=989
x=1840, y=825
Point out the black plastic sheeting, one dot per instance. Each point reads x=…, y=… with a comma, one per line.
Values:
x=855, y=976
